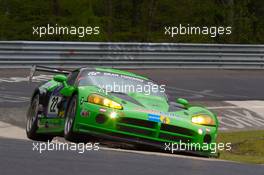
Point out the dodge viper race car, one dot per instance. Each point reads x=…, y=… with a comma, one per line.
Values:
x=76, y=103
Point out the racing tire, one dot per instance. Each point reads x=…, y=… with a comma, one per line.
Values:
x=69, y=134
x=32, y=121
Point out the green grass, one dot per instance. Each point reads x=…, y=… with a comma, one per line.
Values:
x=247, y=146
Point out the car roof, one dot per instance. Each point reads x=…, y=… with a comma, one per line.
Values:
x=115, y=71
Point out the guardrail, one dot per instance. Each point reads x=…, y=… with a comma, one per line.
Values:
x=131, y=55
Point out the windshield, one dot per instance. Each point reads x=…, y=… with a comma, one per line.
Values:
x=118, y=83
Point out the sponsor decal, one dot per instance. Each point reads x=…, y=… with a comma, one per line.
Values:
x=102, y=110
x=84, y=113
x=165, y=120
x=154, y=117
x=208, y=130
x=114, y=75
x=159, y=113
x=61, y=114
x=158, y=118
x=82, y=101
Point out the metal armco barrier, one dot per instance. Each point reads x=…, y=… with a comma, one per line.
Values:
x=130, y=55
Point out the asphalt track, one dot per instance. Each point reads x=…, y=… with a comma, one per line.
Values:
x=16, y=156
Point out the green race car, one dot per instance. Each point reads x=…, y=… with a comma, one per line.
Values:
x=117, y=105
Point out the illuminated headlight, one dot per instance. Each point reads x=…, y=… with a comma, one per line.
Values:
x=103, y=101
x=203, y=120
x=113, y=115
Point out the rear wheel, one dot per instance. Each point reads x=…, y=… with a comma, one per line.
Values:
x=32, y=121
x=69, y=121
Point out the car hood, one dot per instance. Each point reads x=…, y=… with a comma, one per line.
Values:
x=142, y=100
x=146, y=107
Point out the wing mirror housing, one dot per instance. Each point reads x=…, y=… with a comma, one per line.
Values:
x=60, y=78
x=183, y=102
x=66, y=90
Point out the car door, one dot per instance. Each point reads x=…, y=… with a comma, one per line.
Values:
x=57, y=104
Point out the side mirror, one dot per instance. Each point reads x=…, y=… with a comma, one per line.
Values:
x=60, y=78
x=66, y=90
x=183, y=102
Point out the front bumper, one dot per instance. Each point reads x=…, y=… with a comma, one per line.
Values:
x=138, y=130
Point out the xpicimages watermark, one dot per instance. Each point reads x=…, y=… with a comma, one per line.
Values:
x=212, y=31
x=59, y=146
x=80, y=31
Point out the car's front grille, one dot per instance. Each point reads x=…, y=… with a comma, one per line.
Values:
x=150, y=128
x=176, y=129
x=136, y=126
x=137, y=122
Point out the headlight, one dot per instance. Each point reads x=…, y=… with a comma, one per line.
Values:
x=103, y=101
x=203, y=120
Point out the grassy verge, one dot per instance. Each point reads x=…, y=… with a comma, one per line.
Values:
x=247, y=146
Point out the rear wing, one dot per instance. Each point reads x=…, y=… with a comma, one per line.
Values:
x=36, y=68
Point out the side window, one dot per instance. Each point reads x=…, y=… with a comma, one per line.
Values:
x=83, y=79
x=72, y=77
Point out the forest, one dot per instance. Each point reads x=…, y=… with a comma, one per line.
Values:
x=134, y=20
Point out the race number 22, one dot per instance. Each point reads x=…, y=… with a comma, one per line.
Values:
x=54, y=100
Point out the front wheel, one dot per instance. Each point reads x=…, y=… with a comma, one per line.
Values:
x=69, y=120
x=32, y=121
